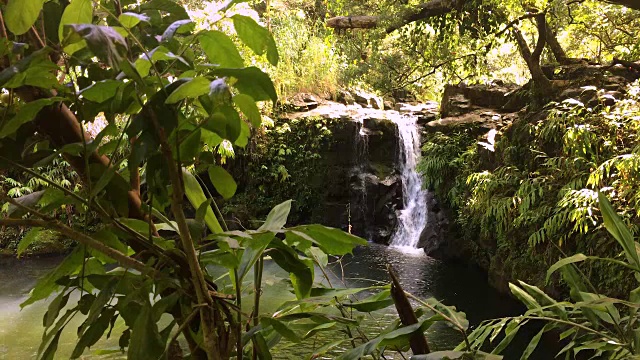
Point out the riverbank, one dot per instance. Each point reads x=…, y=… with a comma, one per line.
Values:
x=516, y=179
x=45, y=243
x=457, y=285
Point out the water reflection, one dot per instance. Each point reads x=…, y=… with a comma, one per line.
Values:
x=460, y=286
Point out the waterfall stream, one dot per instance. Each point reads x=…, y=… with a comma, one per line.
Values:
x=413, y=217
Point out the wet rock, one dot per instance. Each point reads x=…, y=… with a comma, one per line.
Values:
x=345, y=97
x=433, y=238
x=461, y=99
x=479, y=120
x=361, y=98
x=583, y=94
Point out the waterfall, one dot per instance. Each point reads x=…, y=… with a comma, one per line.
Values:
x=413, y=217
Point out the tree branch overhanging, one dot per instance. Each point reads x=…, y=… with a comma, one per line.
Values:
x=422, y=11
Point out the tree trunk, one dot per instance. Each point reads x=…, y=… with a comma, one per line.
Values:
x=540, y=80
x=556, y=48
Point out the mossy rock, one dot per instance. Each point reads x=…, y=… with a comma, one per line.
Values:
x=47, y=242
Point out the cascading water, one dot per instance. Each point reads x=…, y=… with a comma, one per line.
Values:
x=413, y=217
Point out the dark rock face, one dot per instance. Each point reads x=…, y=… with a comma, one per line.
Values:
x=376, y=189
x=462, y=99
x=434, y=237
x=356, y=184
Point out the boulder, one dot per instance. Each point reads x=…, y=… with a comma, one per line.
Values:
x=461, y=99
x=481, y=120
x=345, y=97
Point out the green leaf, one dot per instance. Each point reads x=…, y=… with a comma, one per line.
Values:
x=331, y=241
x=563, y=262
x=532, y=344
x=78, y=12
x=376, y=302
x=101, y=90
x=47, y=284
x=180, y=26
x=104, y=41
x=220, y=50
x=509, y=334
x=261, y=346
x=28, y=239
x=94, y=332
x=222, y=181
x=251, y=81
x=52, y=348
x=196, y=196
x=397, y=337
x=248, y=106
x=618, y=230
x=454, y=355
x=281, y=328
x=103, y=181
x=176, y=10
x=317, y=353
x=256, y=37
x=300, y=271
x=190, y=147
x=277, y=217
x=191, y=89
x=225, y=122
x=254, y=248
x=525, y=298
x=145, y=342
x=20, y=15
x=26, y=113
x=53, y=310
x=130, y=19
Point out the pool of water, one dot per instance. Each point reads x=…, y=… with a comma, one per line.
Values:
x=457, y=285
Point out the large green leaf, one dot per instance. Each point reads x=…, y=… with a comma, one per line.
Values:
x=220, y=50
x=277, y=217
x=78, y=12
x=145, y=340
x=396, y=337
x=53, y=310
x=256, y=37
x=248, y=106
x=225, y=122
x=281, y=328
x=251, y=81
x=47, y=284
x=191, y=89
x=254, y=248
x=28, y=239
x=20, y=15
x=222, y=181
x=26, y=113
x=131, y=19
x=300, y=271
x=104, y=41
x=563, y=262
x=331, y=241
x=102, y=90
x=94, y=332
x=196, y=196
x=373, y=303
x=619, y=230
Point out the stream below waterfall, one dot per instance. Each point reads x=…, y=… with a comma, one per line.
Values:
x=461, y=286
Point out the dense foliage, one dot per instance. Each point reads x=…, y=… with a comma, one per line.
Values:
x=538, y=184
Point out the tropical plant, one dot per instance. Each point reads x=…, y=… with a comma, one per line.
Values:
x=167, y=278
x=602, y=326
